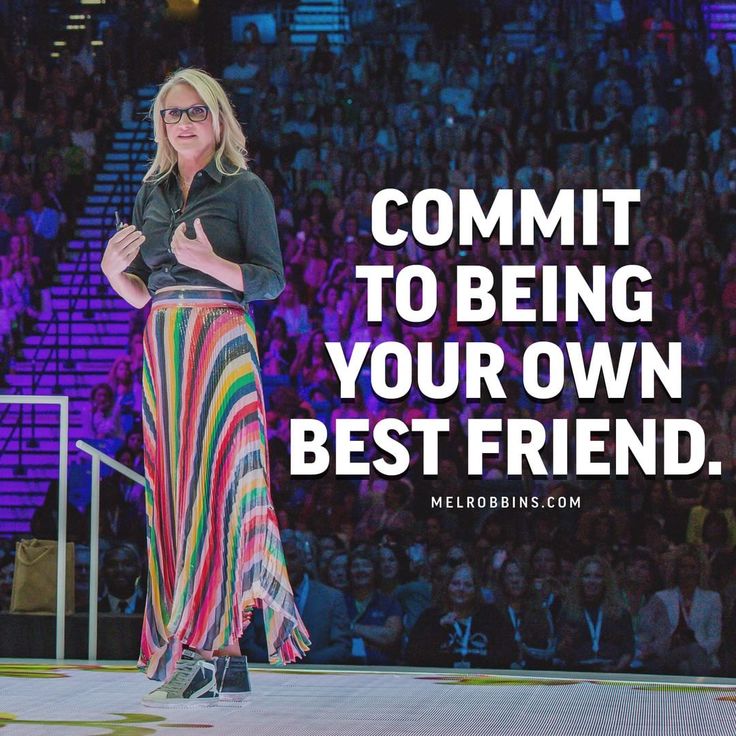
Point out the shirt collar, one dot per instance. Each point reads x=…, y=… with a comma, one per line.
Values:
x=211, y=170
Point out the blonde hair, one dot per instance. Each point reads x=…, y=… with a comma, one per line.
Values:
x=611, y=604
x=231, y=154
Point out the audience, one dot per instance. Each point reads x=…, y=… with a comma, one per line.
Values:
x=523, y=96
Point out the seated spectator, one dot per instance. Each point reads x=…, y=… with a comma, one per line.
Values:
x=322, y=609
x=639, y=581
x=530, y=619
x=693, y=623
x=6, y=227
x=375, y=619
x=459, y=95
x=595, y=629
x=388, y=514
x=10, y=203
x=460, y=630
x=121, y=579
x=545, y=569
x=241, y=71
x=44, y=222
x=424, y=70
x=11, y=299
x=122, y=520
x=337, y=572
x=715, y=502
x=7, y=567
x=128, y=391
x=658, y=25
x=45, y=520
x=293, y=312
x=395, y=575
x=102, y=421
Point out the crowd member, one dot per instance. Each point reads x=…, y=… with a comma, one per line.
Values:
x=531, y=620
x=693, y=623
x=639, y=580
x=375, y=618
x=121, y=577
x=537, y=104
x=102, y=421
x=322, y=609
x=461, y=631
x=595, y=629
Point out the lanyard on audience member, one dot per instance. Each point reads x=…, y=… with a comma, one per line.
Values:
x=516, y=623
x=463, y=638
x=595, y=631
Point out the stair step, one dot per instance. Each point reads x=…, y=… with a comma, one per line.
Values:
x=14, y=529
x=108, y=201
x=17, y=513
x=81, y=367
x=119, y=339
x=137, y=150
x=67, y=290
x=33, y=457
x=49, y=380
x=29, y=487
x=93, y=354
x=304, y=38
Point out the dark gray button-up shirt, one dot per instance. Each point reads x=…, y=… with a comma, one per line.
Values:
x=238, y=217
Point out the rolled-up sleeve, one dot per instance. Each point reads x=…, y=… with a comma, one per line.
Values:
x=138, y=267
x=263, y=266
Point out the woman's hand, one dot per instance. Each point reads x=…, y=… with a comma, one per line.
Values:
x=194, y=252
x=448, y=619
x=121, y=249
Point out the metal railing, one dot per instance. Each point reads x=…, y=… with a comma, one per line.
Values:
x=63, y=404
x=94, y=535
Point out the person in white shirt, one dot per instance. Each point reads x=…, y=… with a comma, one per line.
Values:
x=693, y=619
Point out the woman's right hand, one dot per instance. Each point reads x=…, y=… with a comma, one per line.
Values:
x=448, y=619
x=121, y=249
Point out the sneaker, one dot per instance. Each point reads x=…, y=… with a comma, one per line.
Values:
x=193, y=683
x=233, y=682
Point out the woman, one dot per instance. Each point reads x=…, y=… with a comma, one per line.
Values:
x=460, y=631
x=693, y=626
x=206, y=458
x=375, y=618
x=531, y=621
x=595, y=630
x=102, y=419
x=127, y=390
x=638, y=582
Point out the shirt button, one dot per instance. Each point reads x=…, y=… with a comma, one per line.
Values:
x=199, y=174
x=166, y=268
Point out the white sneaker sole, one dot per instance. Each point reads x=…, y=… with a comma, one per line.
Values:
x=181, y=703
x=234, y=700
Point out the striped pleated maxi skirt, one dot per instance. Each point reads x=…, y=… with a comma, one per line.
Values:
x=214, y=548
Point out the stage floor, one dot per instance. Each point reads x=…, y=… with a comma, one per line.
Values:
x=79, y=699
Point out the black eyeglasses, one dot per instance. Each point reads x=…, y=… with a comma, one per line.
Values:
x=196, y=113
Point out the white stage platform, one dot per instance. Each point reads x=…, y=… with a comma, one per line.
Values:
x=80, y=699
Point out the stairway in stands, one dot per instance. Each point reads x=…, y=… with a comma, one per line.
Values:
x=88, y=329
x=720, y=16
x=312, y=17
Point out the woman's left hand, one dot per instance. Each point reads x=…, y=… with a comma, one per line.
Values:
x=194, y=252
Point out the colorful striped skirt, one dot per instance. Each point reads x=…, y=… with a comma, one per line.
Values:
x=214, y=549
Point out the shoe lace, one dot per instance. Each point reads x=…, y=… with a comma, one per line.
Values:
x=182, y=675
